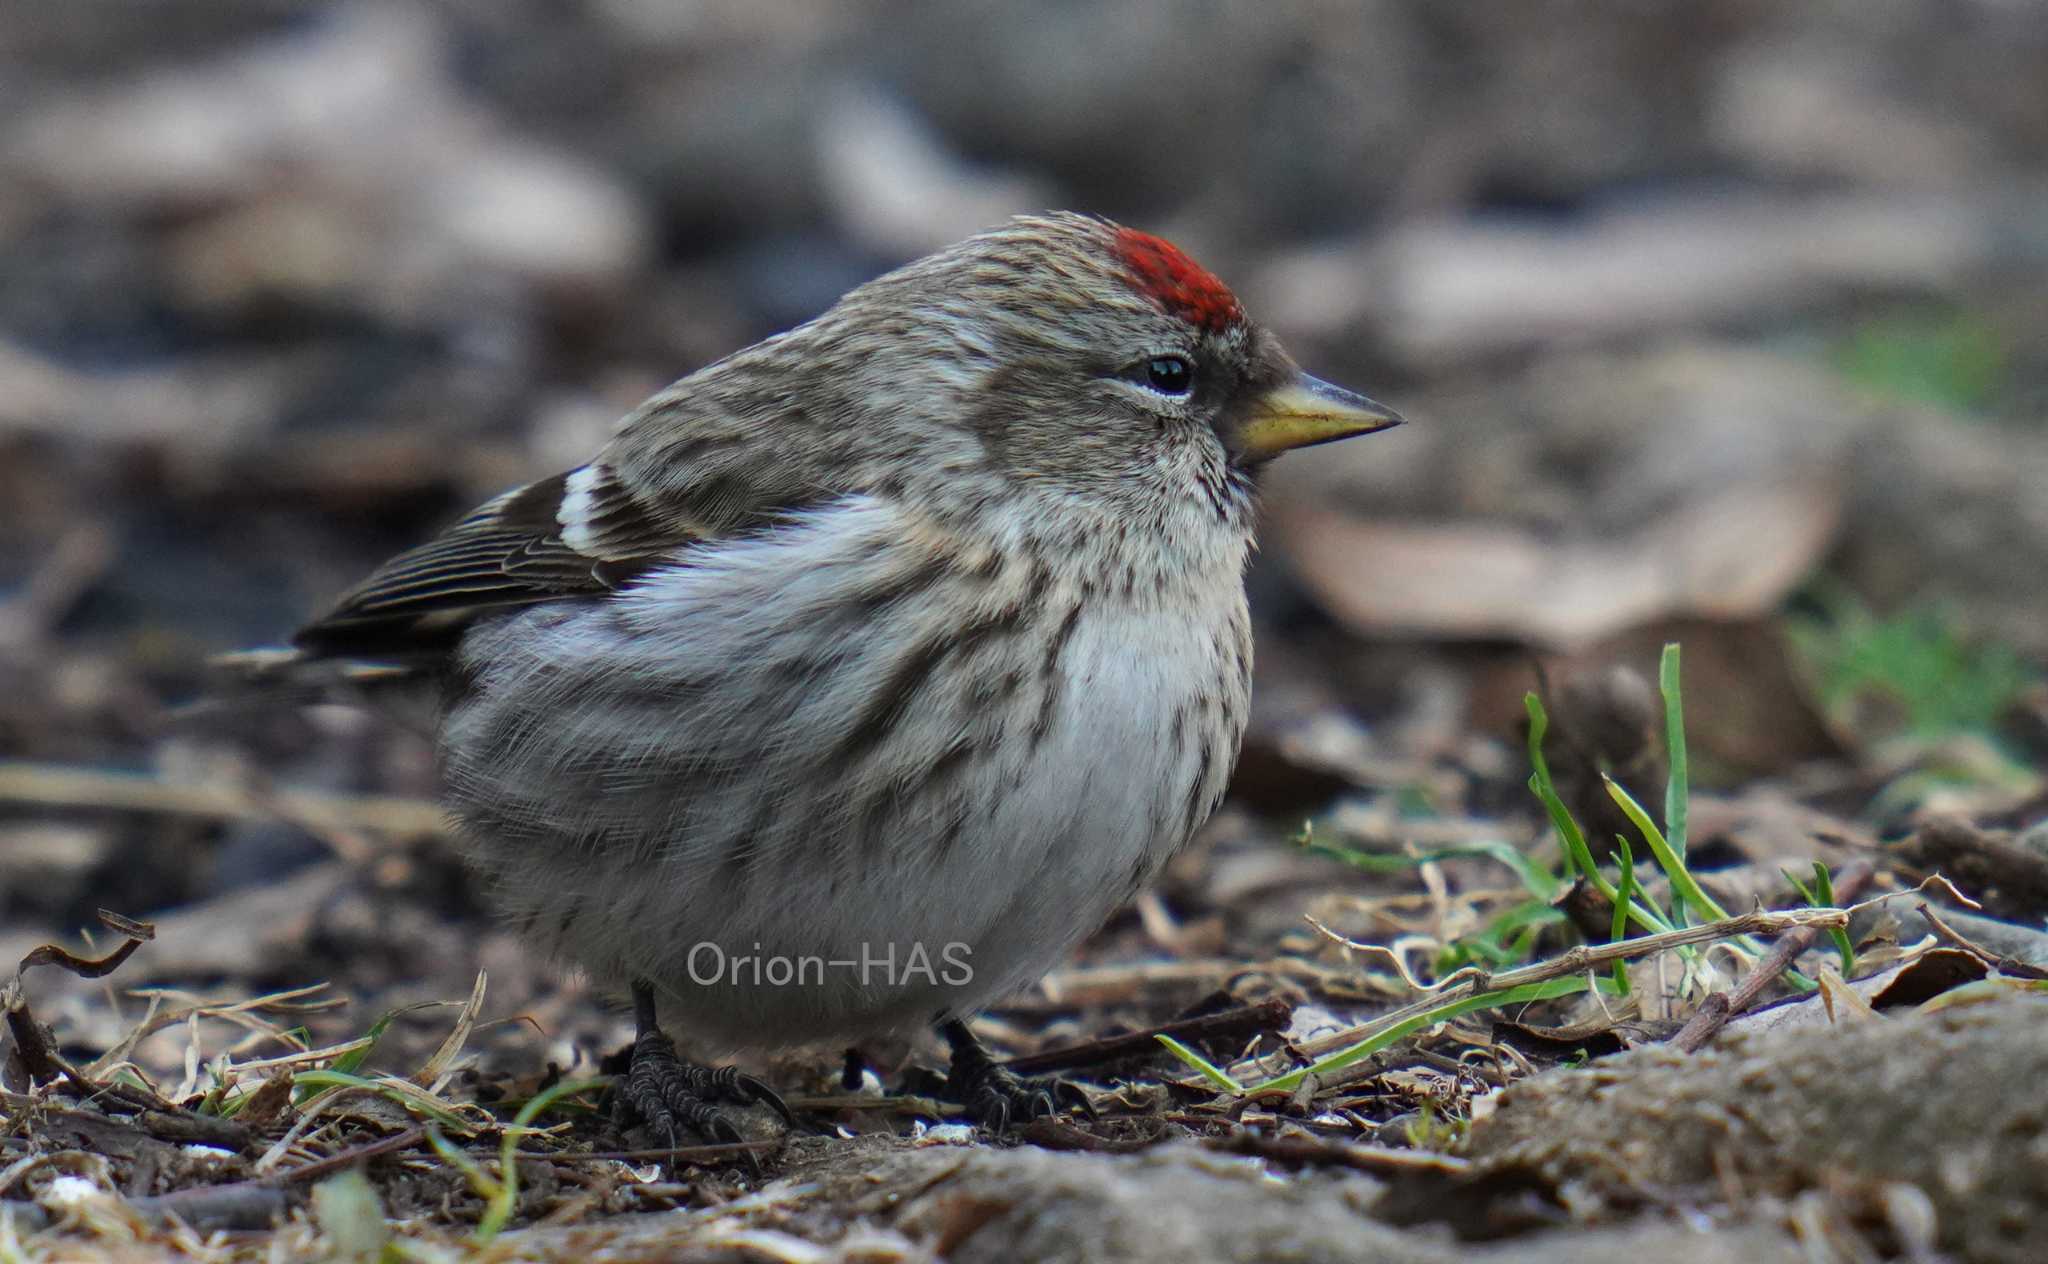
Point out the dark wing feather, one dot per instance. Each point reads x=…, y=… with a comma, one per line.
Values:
x=511, y=551
x=690, y=465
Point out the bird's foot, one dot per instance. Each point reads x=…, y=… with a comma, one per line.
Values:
x=997, y=1097
x=674, y=1098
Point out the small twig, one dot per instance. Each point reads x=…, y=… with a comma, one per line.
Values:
x=186, y=1125
x=1713, y=1013
x=242, y=1205
x=1301, y=1151
x=1583, y=957
x=335, y=1162
x=1709, y=1018
x=1054, y=1133
x=1083, y=985
x=37, y=1057
x=40, y=1060
x=63, y=786
x=1580, y=959
x=1391, y=952
x=1233, y=1025
x=1948, y=934
x=135, y=934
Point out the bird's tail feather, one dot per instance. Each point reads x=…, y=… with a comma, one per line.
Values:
x=407, y=691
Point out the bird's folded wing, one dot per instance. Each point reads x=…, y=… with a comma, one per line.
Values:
x=578, y=534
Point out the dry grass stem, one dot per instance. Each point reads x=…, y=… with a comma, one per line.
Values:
x=333, y=816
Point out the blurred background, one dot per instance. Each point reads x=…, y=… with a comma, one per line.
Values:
x=1717, y=320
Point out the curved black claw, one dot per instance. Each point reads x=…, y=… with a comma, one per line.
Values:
x=998, y=1097
x=670, y=1095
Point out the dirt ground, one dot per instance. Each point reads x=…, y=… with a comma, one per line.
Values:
x=1719, y=324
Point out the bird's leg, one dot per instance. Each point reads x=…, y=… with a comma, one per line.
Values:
x=995, y=1096
x=670, y=1095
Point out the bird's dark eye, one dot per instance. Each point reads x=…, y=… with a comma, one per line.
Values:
x=1169, y=375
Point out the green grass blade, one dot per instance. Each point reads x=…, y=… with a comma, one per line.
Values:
x=502, y=1204
x=352, y=1061
x=1509, y=939
x=1683, y=885
x=1370, y=861
x=1822, y=895
x=1618, y=928
x=1549, y=989
x=1206, y=1069
x=1805, y=892
x=1677, y=792
x=479, y=1180
x=349, y=1063
x=1577, y=855
x=1536, y=878
x=547, y=1097
x=411, y=1098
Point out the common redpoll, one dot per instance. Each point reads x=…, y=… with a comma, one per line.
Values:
x=864, y=671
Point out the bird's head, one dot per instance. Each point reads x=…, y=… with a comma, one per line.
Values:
x=1096, y=357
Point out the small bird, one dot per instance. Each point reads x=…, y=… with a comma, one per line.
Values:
x=862, y=672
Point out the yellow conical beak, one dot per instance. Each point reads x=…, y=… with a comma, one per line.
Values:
x=1305, y=412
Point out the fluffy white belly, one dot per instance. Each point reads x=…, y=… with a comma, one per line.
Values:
x=803, y=815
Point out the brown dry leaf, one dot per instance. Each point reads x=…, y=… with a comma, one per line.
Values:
x=429, y=1075
x=1909, y=983
x=1841, y=1001
x=1731, y=553
x=269, y=1101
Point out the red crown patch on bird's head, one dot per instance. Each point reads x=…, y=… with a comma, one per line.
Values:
x=1161, y=272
